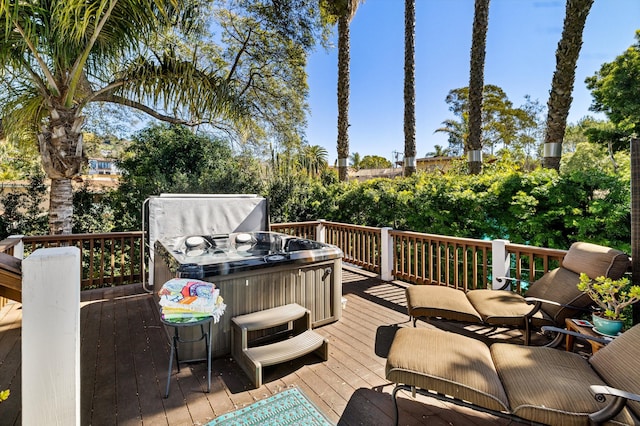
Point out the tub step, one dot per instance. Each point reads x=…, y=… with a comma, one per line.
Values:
x=303, y=339
x=270, y=317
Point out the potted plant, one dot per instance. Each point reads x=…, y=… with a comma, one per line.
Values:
x=612, y=296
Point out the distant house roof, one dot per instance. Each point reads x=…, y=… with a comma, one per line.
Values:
x=366, y=174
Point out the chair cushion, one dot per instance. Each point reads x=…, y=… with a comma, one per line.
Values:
x=447, y=363
x=595, y=260
x=501, y=307
x=560, y=285
x=618, y=364
x=546, y=385
x=434, y=301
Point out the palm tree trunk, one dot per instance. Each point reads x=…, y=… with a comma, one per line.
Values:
x=61, y=207
x=563, y=78
x=409, y=88
x=62, y=154
x=476, y=85
x=343, y=96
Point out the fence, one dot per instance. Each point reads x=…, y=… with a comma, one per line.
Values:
x=117, y=258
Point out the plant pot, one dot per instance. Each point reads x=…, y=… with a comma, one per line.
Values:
x=607, y=326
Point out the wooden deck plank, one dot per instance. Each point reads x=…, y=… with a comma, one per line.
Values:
x=125, y=355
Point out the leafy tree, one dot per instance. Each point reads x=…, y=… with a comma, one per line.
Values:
x=476, y=83
x=164, y=158
x=564, y=76
x=409, y=87
x=22, y=211
x=355, y=161
x=615, y=91
x=58, y=57
x=375, y=162
x=501, y=121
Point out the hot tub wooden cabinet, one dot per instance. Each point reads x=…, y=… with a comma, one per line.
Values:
x=255, y=271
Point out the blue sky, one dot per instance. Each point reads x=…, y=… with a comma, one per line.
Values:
x=521, y=44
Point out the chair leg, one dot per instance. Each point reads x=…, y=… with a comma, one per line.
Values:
x=173, y=348
x=176, y=339
x=208, y=345
x=395, y=404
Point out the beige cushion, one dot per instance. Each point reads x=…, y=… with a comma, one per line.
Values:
x=501, y=307
x=546, y=385
x=447, y=363
x=595, y=260
x=434, y=301
x=559, y=285
x=619, y=364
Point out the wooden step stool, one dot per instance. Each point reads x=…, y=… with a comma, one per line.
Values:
x=303, y=340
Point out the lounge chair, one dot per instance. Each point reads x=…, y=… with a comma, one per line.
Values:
x=548, y=301
x=535, y=384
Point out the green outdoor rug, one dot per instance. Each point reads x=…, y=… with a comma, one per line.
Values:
x=289, y=407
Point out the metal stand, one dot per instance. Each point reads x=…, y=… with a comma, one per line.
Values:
x=206, y=335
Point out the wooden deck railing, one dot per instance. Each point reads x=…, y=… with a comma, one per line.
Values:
x=529, y=263
x=461, y=263
x=108, y=259
x=361, y=245
x=299, y=229
x=116, y=258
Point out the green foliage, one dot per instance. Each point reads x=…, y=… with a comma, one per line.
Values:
x=502, y=123
x=610, y=295
x=374, y=162
x=23, y=212
x=615, y=89
x=93, y=213
x=165, y=159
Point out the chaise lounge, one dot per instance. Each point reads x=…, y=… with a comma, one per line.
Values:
x=535, y=384
x=548, y=300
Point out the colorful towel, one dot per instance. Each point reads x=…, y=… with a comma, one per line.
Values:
x=183, y=298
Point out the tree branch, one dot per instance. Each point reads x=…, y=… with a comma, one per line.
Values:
x=239, y=54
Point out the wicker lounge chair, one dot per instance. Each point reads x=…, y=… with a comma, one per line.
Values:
x=548, y=301
x=536, y=384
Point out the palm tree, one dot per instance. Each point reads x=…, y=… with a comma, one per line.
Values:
x=438, y=151
x=409, y=88
x=355, y=159
x=343, y=11
x=563, y=78
x=476, y=85
x=458, y=132
x=314, y=159
x=58, y=56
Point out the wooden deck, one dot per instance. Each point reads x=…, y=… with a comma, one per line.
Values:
x=125, y=354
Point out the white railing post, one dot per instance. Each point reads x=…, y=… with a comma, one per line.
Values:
x=18, y=249
x=321, y=231
x=51, y=337
x=501, y=265
x=386, y=255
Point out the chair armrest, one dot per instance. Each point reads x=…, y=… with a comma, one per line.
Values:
x=604, y=340
x=617, y=403
x=536, y=300
x=608, y=390
x=506, y=282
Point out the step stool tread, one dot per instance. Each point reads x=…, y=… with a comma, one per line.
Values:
x=269, y=317
x=285, y=350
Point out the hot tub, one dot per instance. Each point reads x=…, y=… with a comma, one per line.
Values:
x=256, y=271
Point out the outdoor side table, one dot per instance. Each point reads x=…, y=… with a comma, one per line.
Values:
x=179, y=323
x=570, y=325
